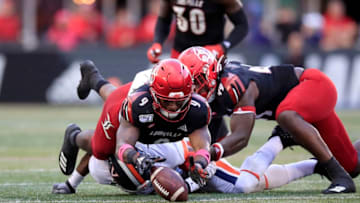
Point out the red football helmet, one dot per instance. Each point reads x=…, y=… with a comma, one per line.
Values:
x=171, y=88
x=204, y=68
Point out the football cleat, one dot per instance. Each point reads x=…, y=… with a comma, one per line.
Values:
x=69, y=150
x=285, y=137
x=344, y=186
x=90, y=75
x=341, y=182
x=63, y=188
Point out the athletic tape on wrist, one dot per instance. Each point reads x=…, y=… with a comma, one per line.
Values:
x=204, y=153
x=122, y=149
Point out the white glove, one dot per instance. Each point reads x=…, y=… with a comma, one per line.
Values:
x=211, y=169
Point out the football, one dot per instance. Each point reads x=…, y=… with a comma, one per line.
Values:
x=169, y=184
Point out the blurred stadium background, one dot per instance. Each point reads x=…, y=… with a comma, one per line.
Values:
x=43, y=41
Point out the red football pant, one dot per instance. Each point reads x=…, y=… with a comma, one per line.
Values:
x=103, y=142
x=314, y=99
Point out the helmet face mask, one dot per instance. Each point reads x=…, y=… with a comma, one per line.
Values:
x=204, y=68
x=171, y=89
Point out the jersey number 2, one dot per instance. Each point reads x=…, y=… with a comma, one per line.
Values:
x=196, y=20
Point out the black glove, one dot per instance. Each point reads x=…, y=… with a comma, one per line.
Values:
x=144, y=163
x=197, y=173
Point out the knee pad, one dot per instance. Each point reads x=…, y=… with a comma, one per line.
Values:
x=246, y=182
x=100, y=171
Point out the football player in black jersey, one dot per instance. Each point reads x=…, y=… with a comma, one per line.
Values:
x=165, y=111
x=199, y=23
x=301, y=101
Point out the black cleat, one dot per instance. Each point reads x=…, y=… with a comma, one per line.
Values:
x=69, y=150
x=63, y=188
x=285, y=137
x=88, y=81
x=341, y=182
x=344, y=186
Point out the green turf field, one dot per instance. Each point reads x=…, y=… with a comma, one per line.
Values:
x=31, y=136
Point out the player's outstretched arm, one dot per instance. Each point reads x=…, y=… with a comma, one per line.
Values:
x=235, y=12
x=241, y=125
x=162, y=30
x=200, y=141
x=126, y=137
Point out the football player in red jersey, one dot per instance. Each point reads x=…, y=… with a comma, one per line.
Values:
x=164, y=111
x=199, y=23
x=301, y=101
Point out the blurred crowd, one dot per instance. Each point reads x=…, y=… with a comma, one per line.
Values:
x=330, y=29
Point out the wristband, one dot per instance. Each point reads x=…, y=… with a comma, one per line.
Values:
x=245, y=110
x=219, y=150
x=122, y=149
x=204, y=153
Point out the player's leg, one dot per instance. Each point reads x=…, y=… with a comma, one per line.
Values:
x=70, y=185
x=278, y=175
x=335, y=136
x=69, y=149
x=255, y=165
x=356, y=172
x=100, y=142
x=74, y=139
x=91, y=78
x=100, y=170
x=312, y=100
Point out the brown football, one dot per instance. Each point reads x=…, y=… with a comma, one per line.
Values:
x=169, y=184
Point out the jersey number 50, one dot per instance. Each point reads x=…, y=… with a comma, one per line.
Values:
x=196, y=20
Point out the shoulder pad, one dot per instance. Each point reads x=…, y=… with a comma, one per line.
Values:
x=126, y=109
x=203, y=100
x=234, y=86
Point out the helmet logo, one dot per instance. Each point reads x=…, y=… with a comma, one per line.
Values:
x=176, y=94
x=204, y=55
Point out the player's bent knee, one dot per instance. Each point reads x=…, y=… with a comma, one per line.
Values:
x=246, y=183
x=100, y=171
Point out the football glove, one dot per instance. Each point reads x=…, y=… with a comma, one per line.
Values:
x=144, y=163
x=197, y=173
x=154, y=52
x=210, y=170
x=217, y=49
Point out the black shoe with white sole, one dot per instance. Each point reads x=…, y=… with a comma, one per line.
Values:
x=90, y=79
x=69, y=150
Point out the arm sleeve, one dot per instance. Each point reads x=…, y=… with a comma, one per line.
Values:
x=240, y=30
x=162, y=29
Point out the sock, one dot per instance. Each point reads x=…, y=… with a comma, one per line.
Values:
x=75, y=179
x=101, y=82
x=73, y=138
x=278, y=175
